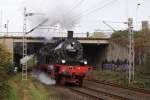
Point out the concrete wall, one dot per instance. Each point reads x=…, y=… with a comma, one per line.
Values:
x=115, y=51
x=96, y=54
x=8, y=43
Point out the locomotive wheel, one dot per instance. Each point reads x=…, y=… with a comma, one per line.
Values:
x=81, y=82
x=58, y=79
x=62, y=81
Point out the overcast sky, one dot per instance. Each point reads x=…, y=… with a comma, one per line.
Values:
x=92, y=13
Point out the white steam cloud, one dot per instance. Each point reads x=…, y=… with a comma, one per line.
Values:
x=43, y=77
x=26, y=59
x=57, y=12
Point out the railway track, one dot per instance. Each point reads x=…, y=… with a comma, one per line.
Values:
x=118, y=90
x=102, y=90
x=120, y=86
x=93, y=94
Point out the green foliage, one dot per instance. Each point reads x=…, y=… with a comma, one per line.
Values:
x=124, y=34
x=147, y=63
x=141, y=80
x=119, y=34
x=30, y=89
x=142, y=49
x=120, y=37
x=5, y=64
x=32, y=62
x=112, y=76
x=141, y=40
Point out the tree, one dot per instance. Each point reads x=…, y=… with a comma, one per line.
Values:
x=141, y=39
x=120, y=37
x=147, y=63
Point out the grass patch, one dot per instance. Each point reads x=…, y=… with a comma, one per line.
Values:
x=32, y=89
x=31, y=62
x=26, y=90
x=38, y=91
x=142, y=80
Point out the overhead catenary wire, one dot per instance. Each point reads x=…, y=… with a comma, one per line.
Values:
x=120, y=22
x=76, y=2
x=99, y=8
x=89, y=10
x=80, y=3
x=44, y=21
x=94, y=10
x=75, y=6
x=109, y=26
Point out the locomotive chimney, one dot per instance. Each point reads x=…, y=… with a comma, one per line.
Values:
x=70, y=34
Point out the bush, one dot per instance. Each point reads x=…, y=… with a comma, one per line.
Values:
x=147, y=63
x=5, y=64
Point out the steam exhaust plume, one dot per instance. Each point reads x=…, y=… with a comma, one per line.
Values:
x=57, y=12
x=26, y=59
x=43, y=77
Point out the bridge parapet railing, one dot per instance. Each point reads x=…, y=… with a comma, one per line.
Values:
x=56, y=34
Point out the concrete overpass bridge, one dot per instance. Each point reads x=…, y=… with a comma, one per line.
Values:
x=94, y=48
x=10, y=41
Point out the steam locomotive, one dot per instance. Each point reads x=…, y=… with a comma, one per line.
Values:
x=63, y=60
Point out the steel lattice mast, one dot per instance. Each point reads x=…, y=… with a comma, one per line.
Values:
x=24, y=42
x=131, y=50
x=24, y=38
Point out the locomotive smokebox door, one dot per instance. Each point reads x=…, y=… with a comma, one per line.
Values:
x=70, y=34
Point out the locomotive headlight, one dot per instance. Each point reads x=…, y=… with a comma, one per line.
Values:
x=63, y=61
x=85, y=62
x=73, y=43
